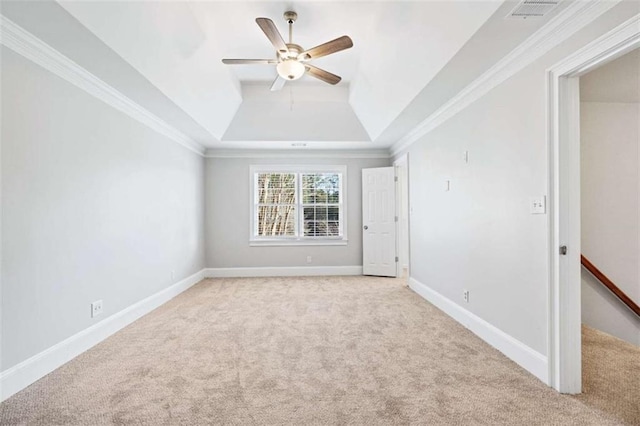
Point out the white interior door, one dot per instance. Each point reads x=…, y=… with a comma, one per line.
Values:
x=378, y=222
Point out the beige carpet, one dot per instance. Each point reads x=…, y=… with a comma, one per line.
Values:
x=611, y=375
x=334, y=350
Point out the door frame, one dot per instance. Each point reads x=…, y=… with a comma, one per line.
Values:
x=563, y=126
x=402, y=161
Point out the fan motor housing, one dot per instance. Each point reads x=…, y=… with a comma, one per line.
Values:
x=294, y=50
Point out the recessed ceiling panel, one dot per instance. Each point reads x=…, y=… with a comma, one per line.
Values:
x=298, y=113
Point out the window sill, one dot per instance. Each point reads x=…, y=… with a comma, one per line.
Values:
x=319, y=242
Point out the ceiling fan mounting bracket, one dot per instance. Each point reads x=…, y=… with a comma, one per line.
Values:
x=290, y=16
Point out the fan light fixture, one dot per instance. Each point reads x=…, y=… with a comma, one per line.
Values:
x=292, y=61
x=290, y=69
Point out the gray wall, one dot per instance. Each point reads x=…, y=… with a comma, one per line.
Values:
x=610, y=135
x=228, y=212
x=480, y=236
x=94, y=206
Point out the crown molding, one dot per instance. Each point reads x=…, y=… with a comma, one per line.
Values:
x=31, y=47
x=570, y=20
x=289, y=153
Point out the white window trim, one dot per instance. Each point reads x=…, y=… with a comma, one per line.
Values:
x=300, y=240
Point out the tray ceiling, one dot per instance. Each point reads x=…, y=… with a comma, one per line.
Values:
x=167, y=56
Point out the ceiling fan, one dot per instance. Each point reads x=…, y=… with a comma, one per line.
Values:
x=291, y=59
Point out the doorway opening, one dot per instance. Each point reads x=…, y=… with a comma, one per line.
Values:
x=609, y=238
x=565, y=322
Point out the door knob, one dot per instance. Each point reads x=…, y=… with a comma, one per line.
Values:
x=365, y=227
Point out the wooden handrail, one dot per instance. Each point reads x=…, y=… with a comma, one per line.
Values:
x=610, y=285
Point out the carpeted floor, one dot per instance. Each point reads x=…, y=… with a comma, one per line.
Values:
x=610, y=375
x=321, y=350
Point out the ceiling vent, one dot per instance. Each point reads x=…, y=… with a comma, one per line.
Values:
x=533, y=9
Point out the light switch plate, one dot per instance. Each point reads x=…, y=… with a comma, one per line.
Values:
x=538, y=205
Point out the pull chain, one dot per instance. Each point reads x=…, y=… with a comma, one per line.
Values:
x=291, y=98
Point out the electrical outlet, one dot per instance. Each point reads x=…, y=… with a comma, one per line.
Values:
x=96, y=308
x=309, y=259
x=465, y=295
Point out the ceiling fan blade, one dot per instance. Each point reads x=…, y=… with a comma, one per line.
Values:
x=278, y=84
x=249, y=61
x=323, y=75
x=333, y=46
x=272, y=34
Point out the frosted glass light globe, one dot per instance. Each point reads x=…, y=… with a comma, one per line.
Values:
x=290, y=69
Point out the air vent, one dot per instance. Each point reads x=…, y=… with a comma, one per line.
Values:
x=533, y=9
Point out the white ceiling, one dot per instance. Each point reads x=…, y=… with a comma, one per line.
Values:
x=409, y=57
x=617, y=81
x=398, y=48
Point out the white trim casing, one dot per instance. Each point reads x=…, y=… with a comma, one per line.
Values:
x=529, y=359
x=26, y=44
x=564, y=199
x=282, y=271
x=573, y=18
x=566, y=217
x=399, y=162
x=22, y=375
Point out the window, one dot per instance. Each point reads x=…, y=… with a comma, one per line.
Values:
x=298, y=205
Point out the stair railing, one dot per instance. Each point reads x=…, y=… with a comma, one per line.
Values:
x=610, y=285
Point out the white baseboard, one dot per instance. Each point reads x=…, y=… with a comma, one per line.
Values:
x=22, y=375
x=529, y=359
x=287, y=271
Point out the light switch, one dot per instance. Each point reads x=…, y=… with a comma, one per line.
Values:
x=538, y=205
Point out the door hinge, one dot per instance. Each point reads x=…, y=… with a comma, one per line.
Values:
x=397, y=259
x=395, y=178
x=563, y=250
x=396, y=218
